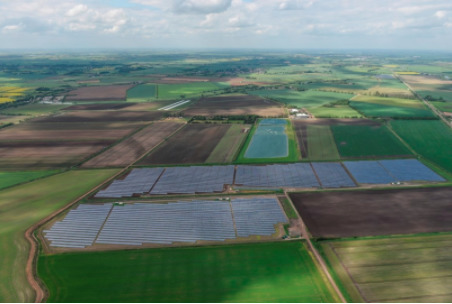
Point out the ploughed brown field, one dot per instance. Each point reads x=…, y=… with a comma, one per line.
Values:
x=235, y=105
x=192, y=144
x=375, y=212
x=34, y=131
x=99, y=106
x=100, y=116
x=335, y=121
x=48, y=154
x=99, y=93
x=129, y=150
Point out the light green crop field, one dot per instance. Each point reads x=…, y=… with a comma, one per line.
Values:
x=390, y=101
x=194, y=89
x=8, y=179
x=337, y=111
x=142, y=92
x=23, y=206
x=446, y=95
x=431, y=139
x=34, y=109
x=374, y=110
x=402, y=269
x=302, y=99
x=321, y=144
x=265, y=272
x=367, y=141
x=227, y=148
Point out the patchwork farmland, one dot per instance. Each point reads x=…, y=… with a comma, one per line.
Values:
x=400, y=269
x=99, y=93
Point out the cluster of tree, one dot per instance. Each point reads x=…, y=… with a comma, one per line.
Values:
x=431, y=98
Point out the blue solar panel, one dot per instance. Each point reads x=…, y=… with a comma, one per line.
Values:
x=332, y=175
x=369, y=172
x=410, y=170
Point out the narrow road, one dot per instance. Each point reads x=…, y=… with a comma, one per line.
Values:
x=427, y=103
x=317, y=254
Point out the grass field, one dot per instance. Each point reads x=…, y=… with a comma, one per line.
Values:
x=24, y=205
x=34, y=109
x=374, y=110
x=431, y=139
x=143, y=92
x=321, y=144
x=266, y=272
x=408, y=269
x=302, y=99
x=396, y=102
x=293, y=148
x=8, y=179
x=226, y=149
x=176, y=91
x=446, y=95
x=367, y=141
x=337, y=111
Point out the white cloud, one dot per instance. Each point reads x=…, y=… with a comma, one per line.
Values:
x=200, y=6
x=440, y=14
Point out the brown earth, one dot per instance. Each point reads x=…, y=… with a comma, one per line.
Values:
x=375, y=212
x=336, y=121
x=192, y=144
x=302, y=135
x=47, y=154
x=99, y=93
x=131, y=149
x=102, y=116
x=176, y=80
x=99, y=106
x=238, y=81
x=67, y=131
x=235, y=105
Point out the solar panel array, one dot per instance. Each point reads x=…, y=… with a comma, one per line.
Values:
x=270, y=176
x=389, y=171
x=135, y=224
x=257, y=216
x=79, y=228
x=410, y=170
x=332, y=175
x=138, y=181
x=194, y=179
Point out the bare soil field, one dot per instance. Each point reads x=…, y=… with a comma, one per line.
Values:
x=129, y=150
x=99, y=93
x=47, y=154
x=99, y=106
x=67, y=131
x=375, y=212
x=192, y=144
x=335, y=121
x=180, y=80
x=424, y=82
x=238, y=81
x=102, y=116
x=235, y=105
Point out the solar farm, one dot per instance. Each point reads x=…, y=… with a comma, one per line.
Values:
x=136, y=224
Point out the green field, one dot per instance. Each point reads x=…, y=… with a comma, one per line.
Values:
x=142, y=92
x=302, y=99
x=34, y=109
x=23, y=206
x=367, y=141
x=431, y=139
x=392, y=101
x=266, y=272
x=408, y=269
x=336, y=111
x=226, y=149
x=446, y=95
x=187, y=90
x=321, y=144
x=8, y=179
x=373, y=110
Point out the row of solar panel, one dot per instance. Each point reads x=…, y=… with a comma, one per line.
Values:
x=208, y=179
x=135, y=224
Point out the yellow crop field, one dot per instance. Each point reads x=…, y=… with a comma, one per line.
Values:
x=408, y=73
x=5, y=99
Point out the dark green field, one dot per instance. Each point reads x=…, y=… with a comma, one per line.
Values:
x=367, y=141
x=8, y=179
x=270, y=272
x=372, y=110
x=431, y=139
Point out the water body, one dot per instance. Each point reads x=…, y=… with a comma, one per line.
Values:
x=270, y=140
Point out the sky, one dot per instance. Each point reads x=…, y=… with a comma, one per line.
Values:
x=222, y=24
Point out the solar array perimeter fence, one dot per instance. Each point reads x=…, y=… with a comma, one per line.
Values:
x=183, y=221
x=211, y=179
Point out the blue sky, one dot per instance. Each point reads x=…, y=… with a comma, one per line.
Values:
x=280, y=24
